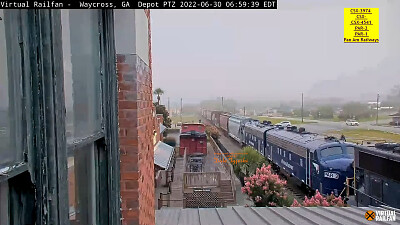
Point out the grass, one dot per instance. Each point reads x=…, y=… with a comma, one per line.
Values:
x=275, y=120
x=369, y=119
x=185, y=119
x=358, y=135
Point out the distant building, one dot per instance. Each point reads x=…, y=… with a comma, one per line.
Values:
x=396, y=118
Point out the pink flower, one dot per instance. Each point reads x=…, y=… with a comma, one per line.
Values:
x=258, y=198
x=295, y=204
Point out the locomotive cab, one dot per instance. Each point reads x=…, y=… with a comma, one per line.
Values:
x=332, y=165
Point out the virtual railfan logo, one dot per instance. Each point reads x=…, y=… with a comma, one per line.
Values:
x=381, y=215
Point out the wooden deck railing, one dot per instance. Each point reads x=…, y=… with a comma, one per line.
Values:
x=201, y=180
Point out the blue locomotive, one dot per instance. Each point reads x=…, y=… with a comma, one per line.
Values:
x=315, y=161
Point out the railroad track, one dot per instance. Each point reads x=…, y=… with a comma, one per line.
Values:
x=291, y=188
x=295, y=191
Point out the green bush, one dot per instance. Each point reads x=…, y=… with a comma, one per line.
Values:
x=248, y=160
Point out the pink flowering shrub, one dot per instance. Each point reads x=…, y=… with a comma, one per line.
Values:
x=266, y=188
x=319, y=200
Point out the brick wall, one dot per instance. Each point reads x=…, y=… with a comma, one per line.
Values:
x=136, y=126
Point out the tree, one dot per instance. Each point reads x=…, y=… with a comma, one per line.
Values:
x=160, y=109
x=249, y=160
x=319, y=200
x=355, y=110
x=323, y=112
x=158, y=92
x=266, y=188
x=212, y=131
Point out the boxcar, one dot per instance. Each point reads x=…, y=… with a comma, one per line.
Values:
x=193, y=138
x=208, y=115
x=316, y=161
x=377, y=180
x=215, y=117
x=204, y=113
x=223, y=121
x=236, y=127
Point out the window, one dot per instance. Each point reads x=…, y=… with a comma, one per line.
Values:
x=10, y=149
x=84, y=117
x=301, y=162
x=82, y=72
x=350, y=151
x=4, y=211
x=82, y=186
x=284, y=154
x=290, y=156
x=332, y=151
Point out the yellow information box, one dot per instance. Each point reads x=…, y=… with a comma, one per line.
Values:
x=361, y=25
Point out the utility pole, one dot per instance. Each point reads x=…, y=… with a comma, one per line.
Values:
x=244, y=110
x=222, y=99
x=302, y=107
x=181, y=110
x=168, y=106
x=377, y=108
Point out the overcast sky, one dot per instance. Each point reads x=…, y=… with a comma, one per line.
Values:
x=261, y=54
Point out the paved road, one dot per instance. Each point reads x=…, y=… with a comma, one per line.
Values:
x=324, y=126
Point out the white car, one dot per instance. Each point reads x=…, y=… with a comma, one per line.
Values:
x=352, y=123
x=284, y=123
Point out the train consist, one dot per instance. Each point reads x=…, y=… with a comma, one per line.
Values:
x=315, y=161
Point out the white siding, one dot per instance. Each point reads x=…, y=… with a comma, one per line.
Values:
x=142, y=35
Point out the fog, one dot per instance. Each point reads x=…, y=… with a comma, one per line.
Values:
x=273, y=55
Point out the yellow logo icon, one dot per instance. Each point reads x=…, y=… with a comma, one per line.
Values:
x=370, y=215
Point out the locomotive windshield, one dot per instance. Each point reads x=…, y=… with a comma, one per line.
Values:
x=350, y=151
x=331, y=151
x=337, y=150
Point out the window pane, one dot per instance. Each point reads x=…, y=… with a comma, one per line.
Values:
x=82, y=72
x=7, y=150
x=82, y=186
x=331, y=151
x=4, y=213
x=350, y=151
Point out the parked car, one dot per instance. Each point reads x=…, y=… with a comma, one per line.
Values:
x=284, y=123
x=352, y=123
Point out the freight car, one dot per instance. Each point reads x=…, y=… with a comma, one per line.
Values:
x=193, y=138
x=377, y=181
x=224, y=119
x=236, y=127
x=215, y=118
x=208, y=115
x=316, y=162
